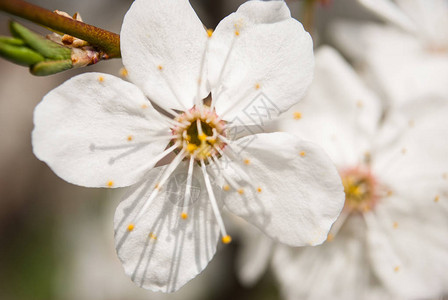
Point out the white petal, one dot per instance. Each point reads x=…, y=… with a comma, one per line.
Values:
x=430, y=18
x=339, y=269
x=163, y=45
x=388, y=11
x=360, y=40
x=411, y=149
x=397, y=64
x=292, y=192
x=260, y=62
x=254, y=256
x=411, y=76
x=163, y=251
x=409, y=257
x=339, y=113
x=94, y=130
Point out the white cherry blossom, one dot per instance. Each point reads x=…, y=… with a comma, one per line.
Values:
x=390, y=241
x=194, y=150
x=407, y=57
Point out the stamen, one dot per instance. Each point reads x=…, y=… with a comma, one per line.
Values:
x=224, y=66
x=238, y=102
x=123, y=72
x=209, y=32
x=198, y=101
x=167, y=173
x=243, y=175
x=173, y=91
x=156, y=159
x=225, y=238
x=215, y=161
x=184, y=215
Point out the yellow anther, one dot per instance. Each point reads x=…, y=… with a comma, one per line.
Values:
x=160, y=67
x=209, y=32
x=152, y=236
x=130, y=138
x=330, y=237
x=297, y=115
x=110, y=183
x=437, y=198
x=240, y=191
x=359, y=104
x=226, y=187
x=257, y=86
x=101, y=79
x=237, y=33
x=226, y=239
x=184, y=215
x=144, y=106
x=395, y=225
x=157, y=186
x=123, y=72
x=389, y=193
x=191, y=148
x=397, y=268
x=247, y=161
x=259, y=190
x=131, y=227
x=367, y=157
x=303, y=153
x=366, y=208
x=202, y=137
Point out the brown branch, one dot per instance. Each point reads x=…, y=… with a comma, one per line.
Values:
x=105, y=40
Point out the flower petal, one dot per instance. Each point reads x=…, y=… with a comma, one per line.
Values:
x=397, y=64
x=163, y=45
x=390, y=12
x=412, y=146
x=95, y=130
x=409, y=256
x=164, y=251
x=292, y=191
x=318, y=269
x=408, y=229
x=254, y=256
x=260, y=62
x=339, y=113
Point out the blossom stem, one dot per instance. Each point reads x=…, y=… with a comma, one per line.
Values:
x=107, y=41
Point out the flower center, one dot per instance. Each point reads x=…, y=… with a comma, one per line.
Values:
x=360, y=190
x=199, y=133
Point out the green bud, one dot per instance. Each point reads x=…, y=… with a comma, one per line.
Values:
x=47, y=48
x=11, y=41
x=19, y=55
x=45, y=68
